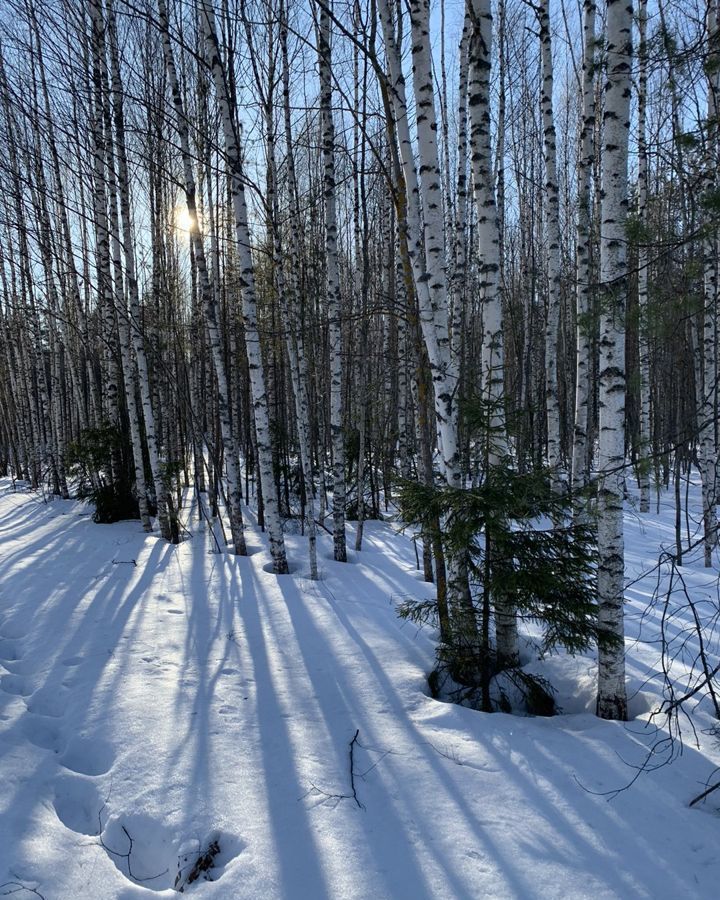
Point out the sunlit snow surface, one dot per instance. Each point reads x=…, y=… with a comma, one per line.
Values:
x=187, y=697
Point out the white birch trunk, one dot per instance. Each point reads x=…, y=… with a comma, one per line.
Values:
x=249, y=300
x=422, y=239
x=324, y=54
x=643, y=262
x=708, y=402
x=488, y=229
x=612, y=699
x=582, y=259
x=551, y=210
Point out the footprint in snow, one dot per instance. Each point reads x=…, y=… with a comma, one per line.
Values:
x=88, y=756
x=150, y=853
x=73, y=660
x=77, y=804
x=13, y=631
x=47, y=702
x=21, y=666
x=9, y=650
x=43, y=733
x=15, y=684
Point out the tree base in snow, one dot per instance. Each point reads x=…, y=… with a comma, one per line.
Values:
x=511, y=691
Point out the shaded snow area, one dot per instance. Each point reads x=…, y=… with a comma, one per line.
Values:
x=167, y=713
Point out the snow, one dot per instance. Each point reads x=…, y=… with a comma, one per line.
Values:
x=154, y=699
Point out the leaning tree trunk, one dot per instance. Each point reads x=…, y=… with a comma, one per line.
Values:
x=249, y=299
x=612, y=699
x=422, y=226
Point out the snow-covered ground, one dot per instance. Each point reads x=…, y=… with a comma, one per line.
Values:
x=155, y=698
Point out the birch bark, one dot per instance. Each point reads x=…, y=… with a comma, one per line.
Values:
x=612, y=700
x=324, y=53
x=708, y=403
x=551, y=209
x=643, y=262
x=583, y=253
x=247, y=286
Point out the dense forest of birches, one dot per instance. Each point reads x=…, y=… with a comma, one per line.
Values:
x=305, y=255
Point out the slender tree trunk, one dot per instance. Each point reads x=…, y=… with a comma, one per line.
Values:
x=334, y=301
x=583, y=259
x=708, y=400
x=552, y=248
x=207, y=294
x=249, y=301
x=612, y=701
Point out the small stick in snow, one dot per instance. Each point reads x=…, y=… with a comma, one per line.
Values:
x=352, y=769
x=127, y=856
x=353, y=795
x=704, y=794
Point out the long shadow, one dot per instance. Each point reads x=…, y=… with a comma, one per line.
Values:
x=393, y=729
x=74, y=631
x=297, y=851
x=206, y=622
x=581, y=849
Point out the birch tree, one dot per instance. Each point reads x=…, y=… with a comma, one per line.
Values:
x=552, y=239
x=583, y=291
x=227, y=105
x=612, y=700
x=334, y=300
x=643, y=264
x=708, y=404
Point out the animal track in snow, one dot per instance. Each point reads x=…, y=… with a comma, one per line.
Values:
x=46, y=702
x=148, y=852
x=21, y=666
x=43, y=733
x=13, y=630
x=73, y=660
x=88, y=756
x=77, y=804
x=15, y=684
x=9, y=650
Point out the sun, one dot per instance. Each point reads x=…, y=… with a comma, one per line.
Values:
x=182, y=220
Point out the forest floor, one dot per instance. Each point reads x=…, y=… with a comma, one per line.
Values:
x=156, y=699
